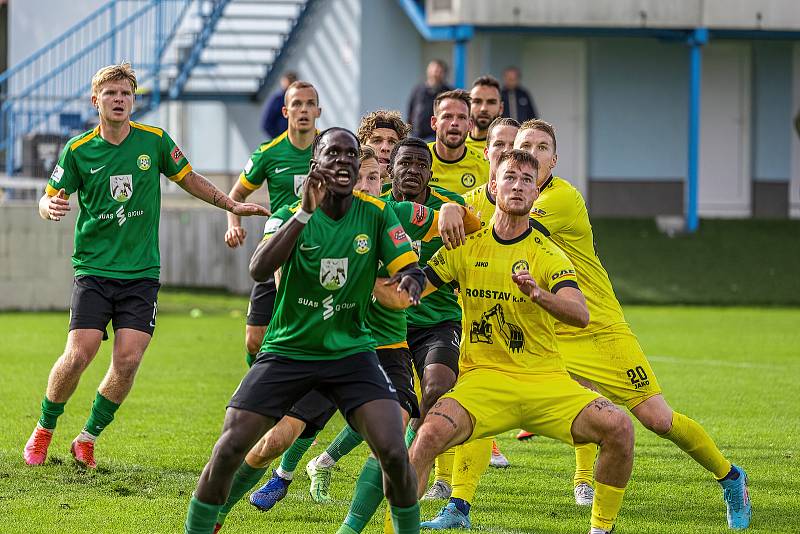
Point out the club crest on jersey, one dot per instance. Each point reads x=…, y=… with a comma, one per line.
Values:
x=361, y=243
x=333, y=273
x=520, y=265
x=299, y=180
x=143, y=162
x=468, y=179
x=121, y=187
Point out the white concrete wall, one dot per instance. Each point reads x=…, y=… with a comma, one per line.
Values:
x=37, y=272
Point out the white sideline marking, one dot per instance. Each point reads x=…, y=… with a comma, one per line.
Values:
x=717, y=363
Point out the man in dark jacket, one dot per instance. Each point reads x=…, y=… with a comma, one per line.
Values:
x=273, y=123
x=517, y=101
x=420, y=105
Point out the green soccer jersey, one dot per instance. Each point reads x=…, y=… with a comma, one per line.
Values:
x=326, y=284
x=119, y=195
x=283, y=166
x=442, y=305
x=420, y=224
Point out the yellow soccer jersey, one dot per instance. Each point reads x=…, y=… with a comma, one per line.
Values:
x=461, y=175
x=481, y=203
x=476, y=144
x=502, y=328
x=561, y=209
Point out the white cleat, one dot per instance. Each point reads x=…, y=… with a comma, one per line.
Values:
x=439, y=490
x=584, y=494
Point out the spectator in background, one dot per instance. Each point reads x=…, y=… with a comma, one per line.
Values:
x=420, y=105
x=273, y=123
x=517, y=101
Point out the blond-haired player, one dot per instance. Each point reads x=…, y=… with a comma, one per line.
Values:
x=515, y=284
x=115, y=169
x=606, y=353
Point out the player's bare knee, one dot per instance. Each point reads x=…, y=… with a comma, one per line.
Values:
x=393, y=459
x=620, y=433
x=431, y=439
x=659, y=423
x=75, y=360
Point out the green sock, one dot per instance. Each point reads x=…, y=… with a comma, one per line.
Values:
x=249, y=358
x=410, y=435
x=101, y=416
x=292, y=456
x=347, y=440
x=406, y=520
x=244, y=480
x=50, y=412
x=344, y=529
x=201, y=517
x=367, y=496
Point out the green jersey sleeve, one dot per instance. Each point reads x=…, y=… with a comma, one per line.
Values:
x=395, y=248
x=421, y=223
x=172, y=161
x=65, y=174
x=277, y=220
x=254, y=173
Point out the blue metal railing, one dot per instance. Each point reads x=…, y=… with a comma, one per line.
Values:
x=51, y=87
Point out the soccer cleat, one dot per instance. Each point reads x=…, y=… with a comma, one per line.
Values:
x=584, y=494
x=35, y=451
x=498, y=460
x=83, y=452
x=268, y=495
x=439, y=490
x=525, y=436
x=737, y=500
x=320, y=482
x=448, y=517
x=217, y=527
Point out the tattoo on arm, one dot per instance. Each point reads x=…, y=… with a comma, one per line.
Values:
x=447, y=417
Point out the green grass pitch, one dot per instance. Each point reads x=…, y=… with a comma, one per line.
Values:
x=735, y=370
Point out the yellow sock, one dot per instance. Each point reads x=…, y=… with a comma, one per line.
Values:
x=607, y=502
x=585, y=455
x=444, y=466
x=388, y=527
x=687, y=434
x=471, y=461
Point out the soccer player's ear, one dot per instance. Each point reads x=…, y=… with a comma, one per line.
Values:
x=285, y=112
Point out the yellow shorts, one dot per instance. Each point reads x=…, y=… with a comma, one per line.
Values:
x=545, y=404
x=614, y=362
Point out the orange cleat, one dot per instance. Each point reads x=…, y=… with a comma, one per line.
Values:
x=524, y=436
x=83, y=451
x=35, y=451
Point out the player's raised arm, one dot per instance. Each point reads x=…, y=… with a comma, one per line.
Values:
x=273, y=252
x=566, y=303
x=455, y=221
x=197, y=186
